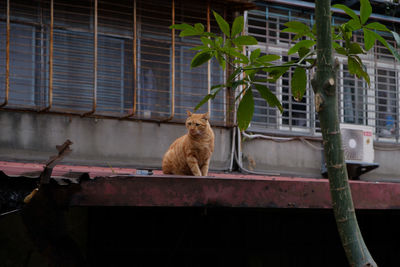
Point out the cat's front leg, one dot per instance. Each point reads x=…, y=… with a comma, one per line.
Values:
x=204, y=168
x=193, y=165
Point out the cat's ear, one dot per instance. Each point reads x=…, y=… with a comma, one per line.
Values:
x=206, y=116
x=189, y=113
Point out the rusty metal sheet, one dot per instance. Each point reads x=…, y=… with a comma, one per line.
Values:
x=122, y=187
x=174, y=191
x=34, y=169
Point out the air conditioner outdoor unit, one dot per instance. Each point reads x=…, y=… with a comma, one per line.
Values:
x=358, y=147
x=357, y=142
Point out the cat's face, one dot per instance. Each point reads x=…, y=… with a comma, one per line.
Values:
x=197, y=123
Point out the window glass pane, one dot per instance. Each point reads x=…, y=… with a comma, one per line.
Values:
x=154, y=59
x=354, y=104
x=386, y=104
x=264, y=115
x=115, y=86
x=73, y=71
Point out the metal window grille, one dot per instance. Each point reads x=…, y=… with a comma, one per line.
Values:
x=358, y=104
x=387, y=103
x=297, y=116
x=353, y=98
x=104, y=58
x=263, y=114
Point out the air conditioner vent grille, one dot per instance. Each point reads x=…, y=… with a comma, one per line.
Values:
x=353, y=144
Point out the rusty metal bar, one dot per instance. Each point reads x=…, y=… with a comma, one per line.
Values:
x=95, y=41
x=7, y=57
x=209, y=62
x=51, y=57
x=172, y=66
x=133, y=113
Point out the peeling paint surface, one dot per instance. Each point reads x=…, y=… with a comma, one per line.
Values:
x=122, y=187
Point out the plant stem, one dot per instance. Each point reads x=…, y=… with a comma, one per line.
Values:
x=324, y=85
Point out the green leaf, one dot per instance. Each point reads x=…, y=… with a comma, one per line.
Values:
x=387, y=45
x=203, y=101
x=355, y=48
x=299, y=83
x=182, y=26
x=206, y=41
x=297, y=46
x=297, y=26
x=200, y=47
x=365, y=76
x=245, y=40
x=276, y=73
x=268, y=58
x=237, y=26
x=353, y=65
x=235, y=84
x=377, y=26
x=365, y=10
x=255, y=54
x=201, y=58
x=353, y=25
x=271, y=99
x=250, y=72
x=393, y=51
x=245, y=110
x=396, y=36
x=303, y=51
x=199, y=27
x=189, y=32
x=311, y=61
x=221, y=60
x=213, y=92
x=234, y=74
x=219, y=41
x=215, y=89
x=340, y=50
x=233, y=53
x=335, y=45
x=369, y=39
x=223, y=25
x=346, y=9
x=356, y=67
x=209, y=34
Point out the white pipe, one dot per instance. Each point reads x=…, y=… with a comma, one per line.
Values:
x=232, y=149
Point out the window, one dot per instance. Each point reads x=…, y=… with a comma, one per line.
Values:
x=107, y=58
x=353, y=98
x=295, y=112
x=297, y=115
x=387, y=103
x=25, y=74
x=358, y=103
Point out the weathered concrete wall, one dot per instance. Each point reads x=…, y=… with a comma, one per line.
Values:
x=300, y=159
x=33, y=137
x=389, y=166
x=286, y=158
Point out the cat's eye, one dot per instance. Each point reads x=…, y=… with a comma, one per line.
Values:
x=189, y=123
x=197, y=124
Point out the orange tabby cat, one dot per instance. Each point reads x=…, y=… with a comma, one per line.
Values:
x=190, y=154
